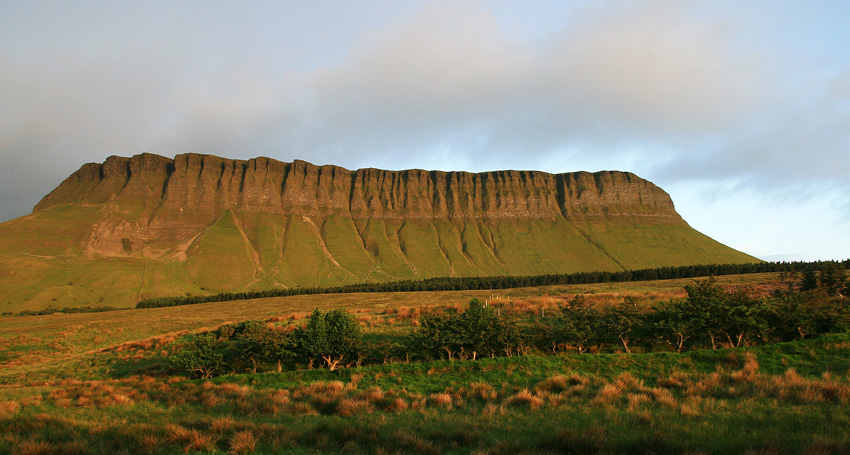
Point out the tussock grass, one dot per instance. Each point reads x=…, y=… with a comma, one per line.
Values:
x=33, y=447
x=480, y=391
x=524, y=399
x=8, y=407
x=348, y=407
x=242, y=442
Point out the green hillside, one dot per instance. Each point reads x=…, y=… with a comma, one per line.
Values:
x=130, y=229
x=44, y=263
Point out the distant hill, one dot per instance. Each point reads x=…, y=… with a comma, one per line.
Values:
x=147, y=226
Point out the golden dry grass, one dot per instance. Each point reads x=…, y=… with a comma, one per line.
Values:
x=348, y=407
x=442, y=400
x=524, y=399
x=242, y=442
x=32, y=447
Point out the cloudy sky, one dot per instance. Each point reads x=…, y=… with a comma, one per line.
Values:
x=740, y=110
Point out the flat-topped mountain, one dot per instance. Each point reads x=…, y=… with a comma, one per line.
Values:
x=208, y=183
x=146, y=226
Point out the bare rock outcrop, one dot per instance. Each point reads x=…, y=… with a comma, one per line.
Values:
x=201, y=186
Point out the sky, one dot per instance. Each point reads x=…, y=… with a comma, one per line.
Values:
x=739, y=110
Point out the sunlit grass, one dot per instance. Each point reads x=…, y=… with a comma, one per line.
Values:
x=101, y=383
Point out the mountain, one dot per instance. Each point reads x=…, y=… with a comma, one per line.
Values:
x=147, y=226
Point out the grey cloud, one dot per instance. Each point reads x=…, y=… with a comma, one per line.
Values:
x=619, y=79
x=621, y=83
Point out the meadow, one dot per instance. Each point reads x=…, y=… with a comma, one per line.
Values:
x=103, y=383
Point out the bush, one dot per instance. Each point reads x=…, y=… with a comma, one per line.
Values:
x=256, y=342
x=477, y=331
x=203, y=356
x=331, y=336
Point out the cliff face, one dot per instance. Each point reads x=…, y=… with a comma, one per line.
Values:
x=148, y=226
x=206, y=183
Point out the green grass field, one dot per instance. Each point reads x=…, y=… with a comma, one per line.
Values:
x=76, y=255
x=101, y=383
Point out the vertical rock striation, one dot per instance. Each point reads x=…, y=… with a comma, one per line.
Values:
x=206, y=184
x=149, y=226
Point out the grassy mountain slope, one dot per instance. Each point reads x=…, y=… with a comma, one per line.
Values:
x=39, y=270
x=148, y=226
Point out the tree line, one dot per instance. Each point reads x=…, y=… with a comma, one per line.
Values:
x=67, y=310
x=506, y=282
x=709, y=318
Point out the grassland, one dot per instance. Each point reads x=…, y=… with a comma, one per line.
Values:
x=49, y=261
x=102, y=383
x=55, y=339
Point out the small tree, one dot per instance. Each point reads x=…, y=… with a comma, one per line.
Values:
x=730, y=315
x=623, y=321
x=791, y=316
x=706, y=301
x=438, y=332
x=240, y=353
x=261, y=343
x=203, y=357
x=832, y=279
x=580, y=324
x=479, y=330
x=331, y=336
x=809, y=282
x=677, y=322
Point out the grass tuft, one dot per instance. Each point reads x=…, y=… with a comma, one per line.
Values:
x=353, y=406
x=242, y=442
x=31, y=447
x=397, y=405
x=440, y=400
x=524, y=399
x=8, y=407
x=557, y=383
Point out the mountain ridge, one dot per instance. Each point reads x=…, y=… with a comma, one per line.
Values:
x=301, y=188
x=148, y=226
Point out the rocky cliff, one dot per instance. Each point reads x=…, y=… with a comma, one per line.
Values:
x=209, y=183
x=149, y=225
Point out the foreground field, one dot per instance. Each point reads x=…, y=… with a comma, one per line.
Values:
x=61, y=345
x=101, y=383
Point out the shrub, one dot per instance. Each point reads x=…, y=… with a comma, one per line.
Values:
x=478, y=331
x=397, y=405
x=557, y=383
x=8, y=407
x=203, y=357
x=331, y=336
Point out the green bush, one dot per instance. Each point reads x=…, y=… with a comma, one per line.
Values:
x=333, y=337
x=478, y=331
x=203, y=356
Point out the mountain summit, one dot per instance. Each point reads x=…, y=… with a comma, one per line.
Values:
x=146, y=226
